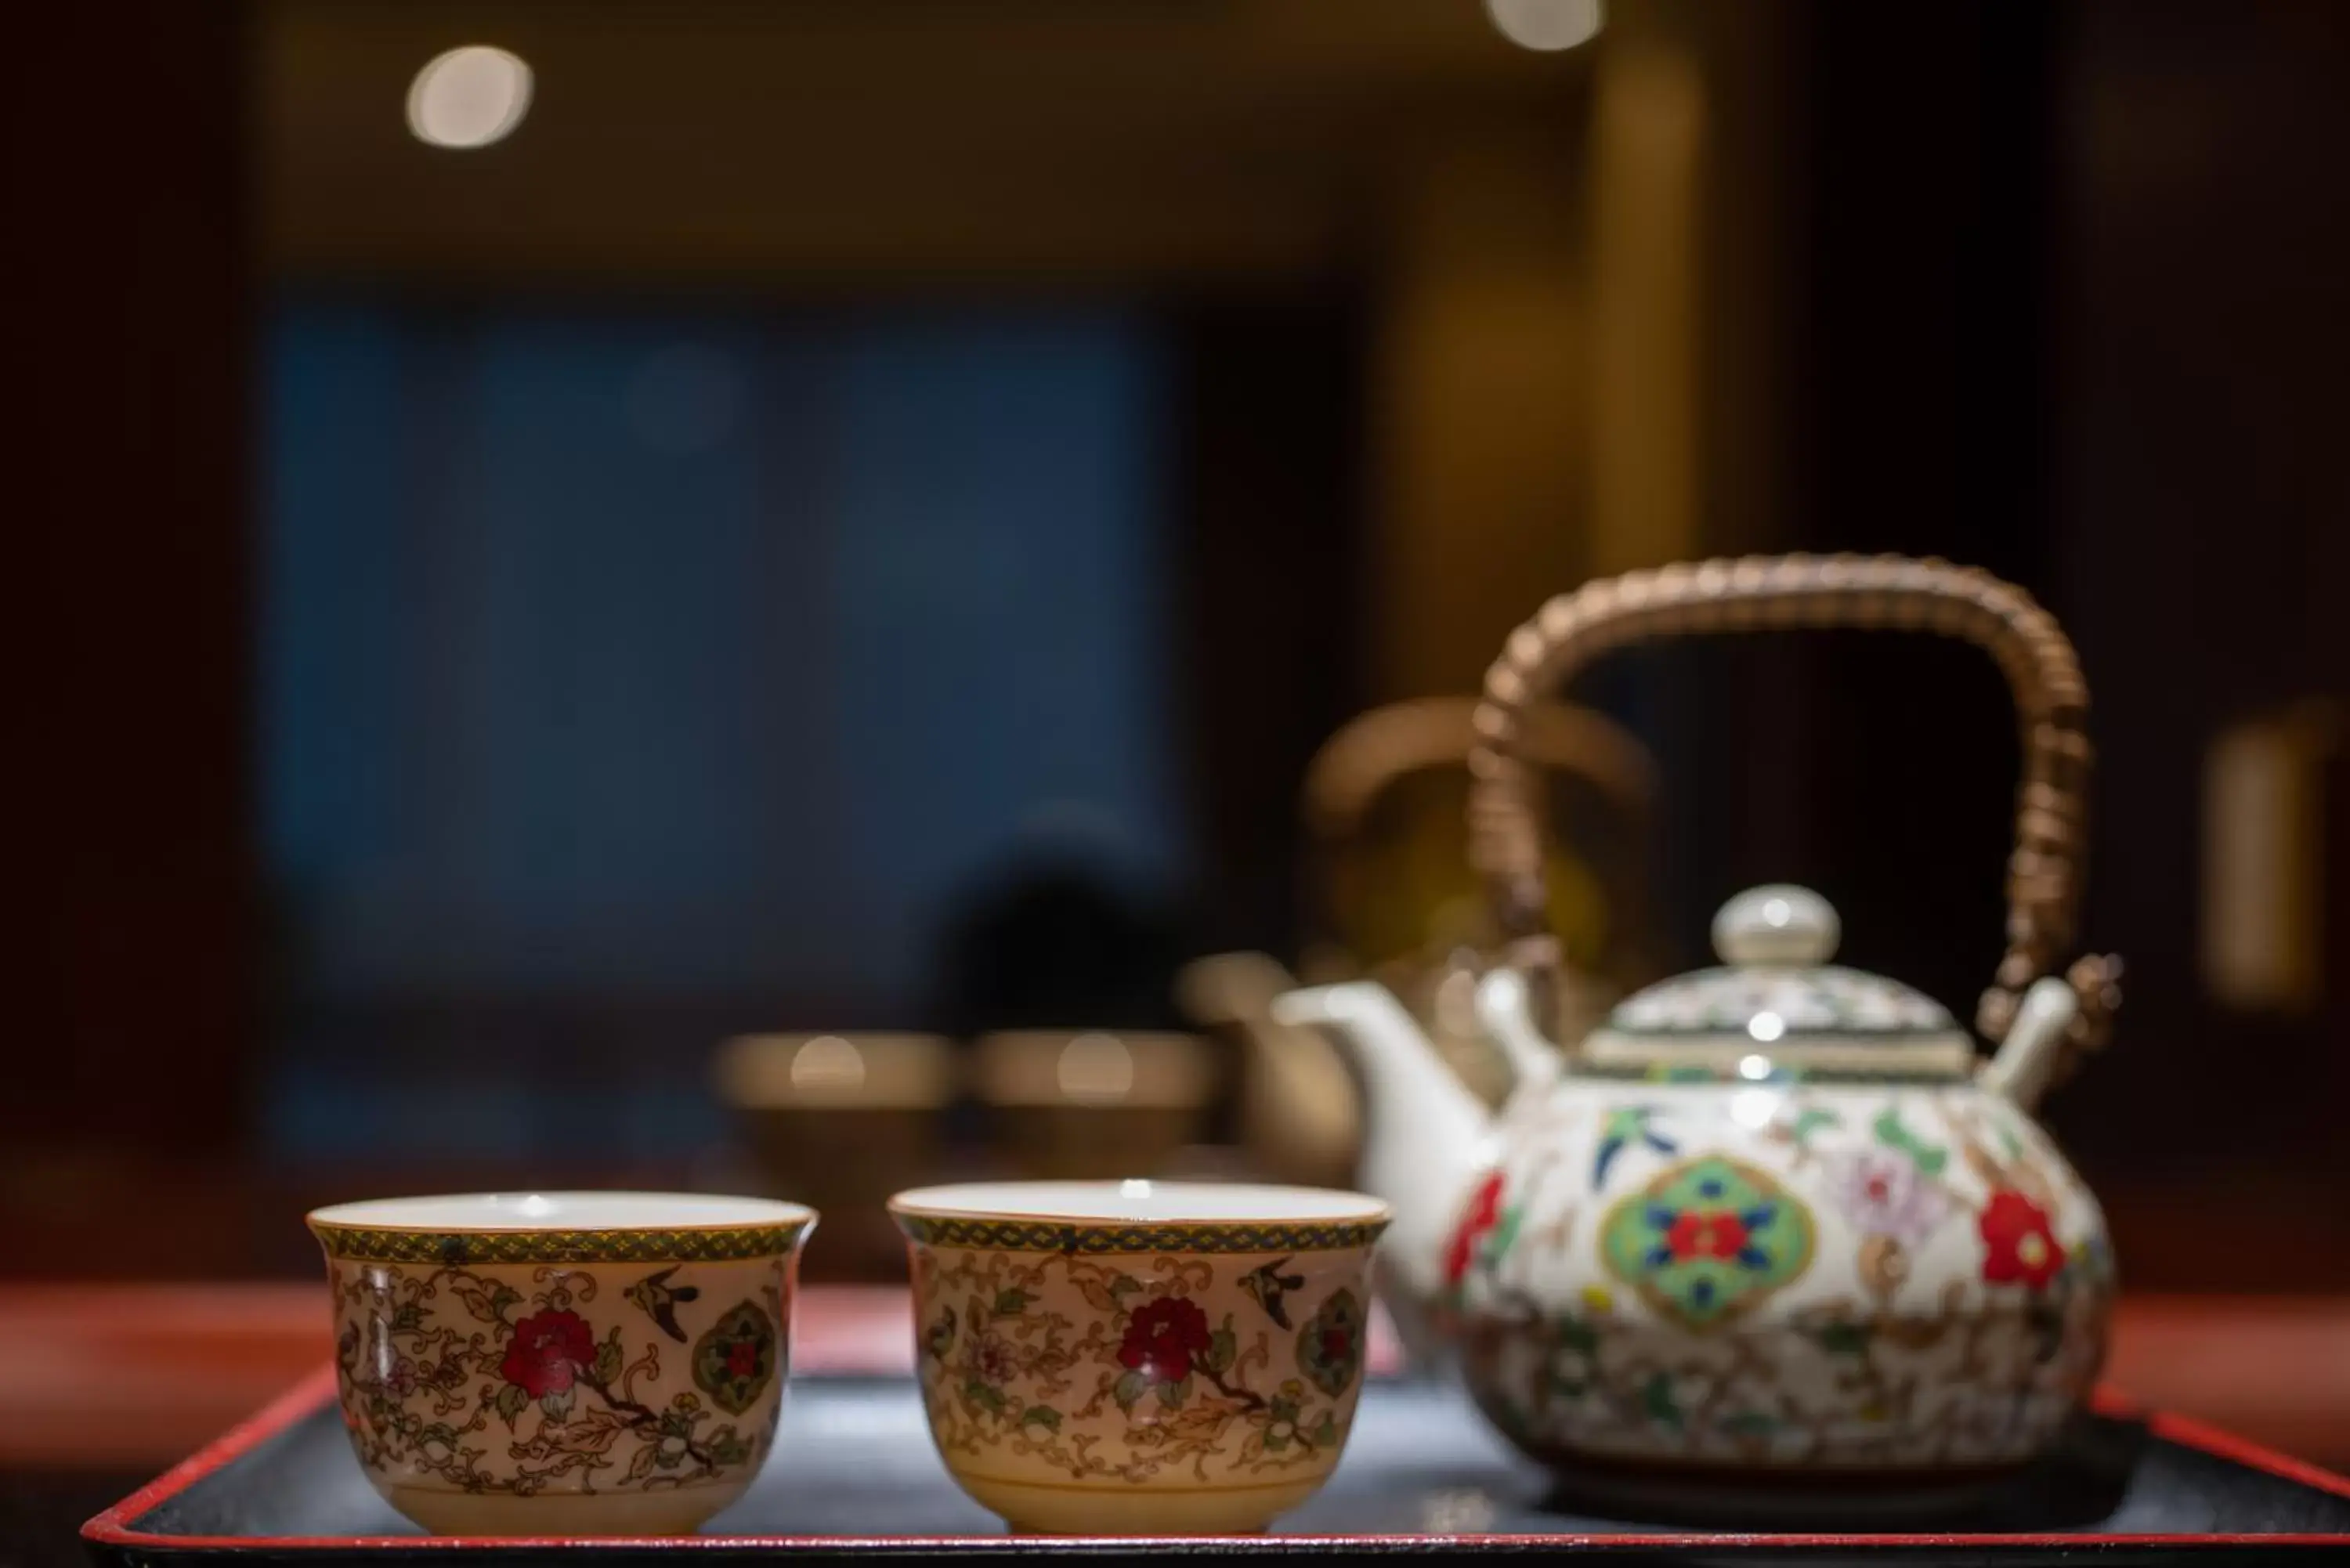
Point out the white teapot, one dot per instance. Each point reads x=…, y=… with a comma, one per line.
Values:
x=1777, y=1214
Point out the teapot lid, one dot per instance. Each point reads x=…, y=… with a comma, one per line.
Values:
x=1775, y=1008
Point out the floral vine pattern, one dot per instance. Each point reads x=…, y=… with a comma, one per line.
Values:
x=1869, y=1278
x=1175, y=1369
x=498, y=1380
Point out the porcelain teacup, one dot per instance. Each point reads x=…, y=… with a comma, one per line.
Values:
x=562, y=1363
x=1140, y=1358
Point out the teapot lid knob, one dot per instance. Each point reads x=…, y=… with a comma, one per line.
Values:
x=1778, y=926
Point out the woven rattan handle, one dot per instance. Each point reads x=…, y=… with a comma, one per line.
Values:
x=1761, y=593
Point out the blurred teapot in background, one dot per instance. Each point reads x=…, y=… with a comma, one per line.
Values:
x=1402, y=907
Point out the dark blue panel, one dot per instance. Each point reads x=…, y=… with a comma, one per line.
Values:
x=664, y=660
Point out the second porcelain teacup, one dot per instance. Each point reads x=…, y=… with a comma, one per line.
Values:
x=1140, y=1358
x=562, y=1363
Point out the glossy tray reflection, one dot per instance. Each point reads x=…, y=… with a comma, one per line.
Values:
x=855, y=1474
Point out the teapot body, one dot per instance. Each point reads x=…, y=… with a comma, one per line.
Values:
x=1860, y=1273
x=1775, y=1217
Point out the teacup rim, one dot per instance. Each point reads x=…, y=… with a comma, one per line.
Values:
x=937, y=1202
x=743, y=1212
x=744, y=1229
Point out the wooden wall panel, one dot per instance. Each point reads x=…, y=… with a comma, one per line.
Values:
x=125, y=504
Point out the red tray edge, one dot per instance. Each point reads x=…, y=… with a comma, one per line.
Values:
x=114, y=1528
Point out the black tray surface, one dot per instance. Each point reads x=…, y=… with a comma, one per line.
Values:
x=855, y=1474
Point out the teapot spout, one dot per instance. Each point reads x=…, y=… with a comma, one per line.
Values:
x=1426, y=1135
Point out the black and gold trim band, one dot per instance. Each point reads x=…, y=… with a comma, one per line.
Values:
x=1059, y=1236
x=458, y=1248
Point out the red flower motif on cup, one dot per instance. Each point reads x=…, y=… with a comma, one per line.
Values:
x=2018, y=1246
x=992, y=1359
x=1477, y=1221
x=1164, y=1337
x=548, y=1351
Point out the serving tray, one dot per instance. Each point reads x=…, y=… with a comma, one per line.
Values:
x=854, y=1476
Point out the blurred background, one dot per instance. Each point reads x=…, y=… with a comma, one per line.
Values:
x=601, y=603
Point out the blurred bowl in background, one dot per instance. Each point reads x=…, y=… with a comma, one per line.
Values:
x=1094, y=1105
x=842, y=1121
